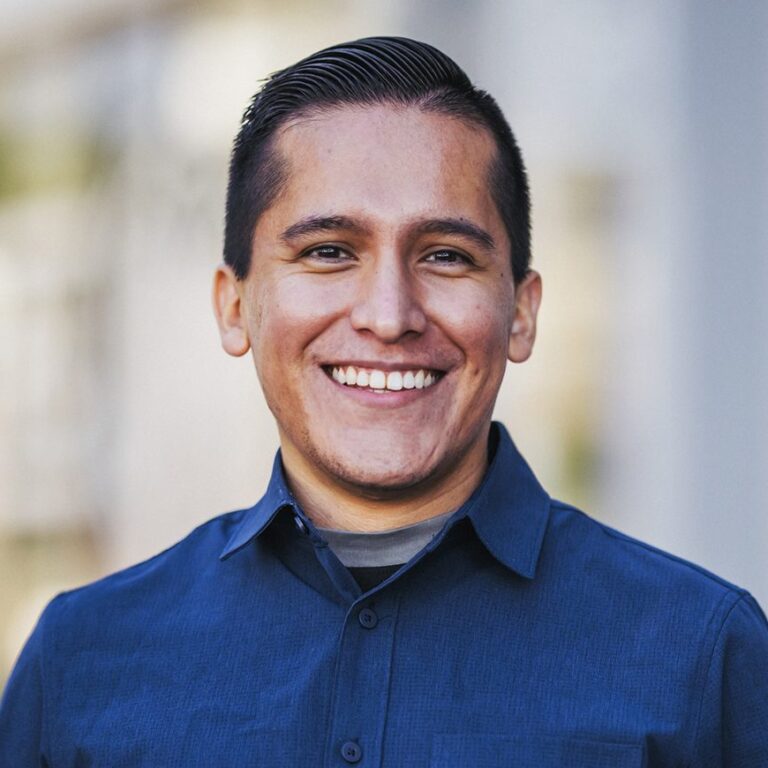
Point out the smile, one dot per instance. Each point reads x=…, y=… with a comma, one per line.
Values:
x=383, y=381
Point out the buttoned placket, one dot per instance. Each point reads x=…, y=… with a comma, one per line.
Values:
x=361, y=680
x=361, y=686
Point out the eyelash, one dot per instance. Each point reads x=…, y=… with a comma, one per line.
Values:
x=336, y=254
x=457, y=257
x=323, y=251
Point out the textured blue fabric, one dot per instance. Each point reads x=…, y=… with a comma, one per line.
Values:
x=524, y=634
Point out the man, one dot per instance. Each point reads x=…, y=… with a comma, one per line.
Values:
x=405, y=593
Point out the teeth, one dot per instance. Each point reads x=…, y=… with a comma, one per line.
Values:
x=379, y=381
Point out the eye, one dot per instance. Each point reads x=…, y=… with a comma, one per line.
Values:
x=449, y=258
x=326, y=256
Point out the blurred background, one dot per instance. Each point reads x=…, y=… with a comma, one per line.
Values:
x=644, y=124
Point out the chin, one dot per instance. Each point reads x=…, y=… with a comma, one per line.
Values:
x=378, y=475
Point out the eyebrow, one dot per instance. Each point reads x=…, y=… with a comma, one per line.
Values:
x=315, y=225
x=460, y=227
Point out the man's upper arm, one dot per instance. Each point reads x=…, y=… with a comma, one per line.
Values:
x=21, y=707
x=733, y=725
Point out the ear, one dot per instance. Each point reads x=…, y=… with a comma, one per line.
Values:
x=523, y=331
x=228, y=310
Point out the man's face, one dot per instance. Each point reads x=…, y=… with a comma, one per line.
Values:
x=380, y=306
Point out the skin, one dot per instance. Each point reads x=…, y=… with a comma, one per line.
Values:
x=381, y=281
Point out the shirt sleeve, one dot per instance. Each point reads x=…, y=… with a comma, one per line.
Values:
x=21, y=708
x=733, y=724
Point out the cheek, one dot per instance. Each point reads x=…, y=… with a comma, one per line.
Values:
x=289, y=314
x=479, y=323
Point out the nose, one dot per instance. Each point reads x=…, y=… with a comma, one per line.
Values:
x=387, y=303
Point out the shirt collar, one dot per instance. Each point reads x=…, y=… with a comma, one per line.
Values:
x=509, y=510
x=261, y=514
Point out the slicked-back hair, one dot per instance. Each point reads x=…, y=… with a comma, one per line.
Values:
x=371, y=71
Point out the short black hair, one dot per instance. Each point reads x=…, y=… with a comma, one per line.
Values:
x=374, y=70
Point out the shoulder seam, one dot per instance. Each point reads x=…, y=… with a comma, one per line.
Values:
x=652, y=550
x=738, y=596
x=45, y=620
x=44, y=714
x=151, y=558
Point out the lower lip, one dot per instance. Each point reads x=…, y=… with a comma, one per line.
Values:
x=387, y=398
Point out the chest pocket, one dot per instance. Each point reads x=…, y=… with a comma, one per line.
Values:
x=491, y=751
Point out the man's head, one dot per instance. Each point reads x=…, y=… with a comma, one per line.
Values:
x=376, y=279
x=376, y=70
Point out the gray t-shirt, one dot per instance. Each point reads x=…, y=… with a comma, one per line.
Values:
x=393, y=547
x=374, y=557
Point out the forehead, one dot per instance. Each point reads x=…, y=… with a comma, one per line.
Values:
x=387, y=161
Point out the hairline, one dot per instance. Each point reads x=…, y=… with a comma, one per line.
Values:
x=280, y=164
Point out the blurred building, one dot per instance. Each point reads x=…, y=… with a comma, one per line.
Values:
x=122, y=425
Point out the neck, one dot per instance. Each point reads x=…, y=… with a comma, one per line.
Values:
x=332, y=504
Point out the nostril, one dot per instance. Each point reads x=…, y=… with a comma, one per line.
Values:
x=389, y=311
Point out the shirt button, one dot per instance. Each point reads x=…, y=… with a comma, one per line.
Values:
x=351, y=752
x=368, y=618
x=299, y=523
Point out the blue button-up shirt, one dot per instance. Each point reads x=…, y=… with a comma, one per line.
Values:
x=524, y=634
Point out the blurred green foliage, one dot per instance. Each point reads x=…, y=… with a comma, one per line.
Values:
x=31, y=165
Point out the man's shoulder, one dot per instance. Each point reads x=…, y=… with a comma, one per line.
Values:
x=626, y=570
x=168, y=575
